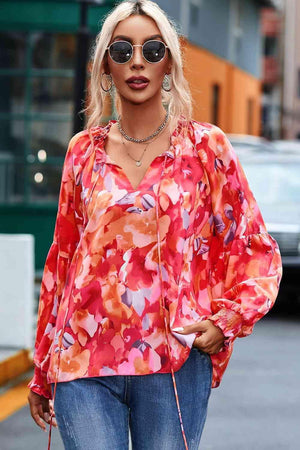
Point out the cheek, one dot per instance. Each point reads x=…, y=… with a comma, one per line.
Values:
x=163, y=70
x=117, y=71
x=157, y=75
x=119, y=78
x=160, y=69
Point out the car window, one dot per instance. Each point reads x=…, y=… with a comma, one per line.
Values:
x=274, y=183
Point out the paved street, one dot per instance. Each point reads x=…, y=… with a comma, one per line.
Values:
x=255, y=408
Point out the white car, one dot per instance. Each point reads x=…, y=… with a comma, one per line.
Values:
x=274, y=178
x=248, y=142
x=287, y=145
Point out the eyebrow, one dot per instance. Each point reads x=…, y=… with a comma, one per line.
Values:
x=126, y=38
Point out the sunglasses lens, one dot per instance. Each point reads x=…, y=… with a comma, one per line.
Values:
x=154, y=51
x=120, y=52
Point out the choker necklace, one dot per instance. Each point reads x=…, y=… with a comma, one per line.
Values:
x=129, y=138
x=138, y=162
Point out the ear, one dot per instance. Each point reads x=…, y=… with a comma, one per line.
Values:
x=105, y=65
x=169, y=62
x=169, y=67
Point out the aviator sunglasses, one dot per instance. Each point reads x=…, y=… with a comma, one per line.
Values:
x=121, y=51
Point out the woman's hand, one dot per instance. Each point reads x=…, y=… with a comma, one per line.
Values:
x=210, y=340
x=41, y=408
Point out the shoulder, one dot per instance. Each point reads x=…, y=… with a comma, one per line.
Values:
x=81, y=142
x=208, y=130
x=80, y=148
x=213, y=141
x=78, y=137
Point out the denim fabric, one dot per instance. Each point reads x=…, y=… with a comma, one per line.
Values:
x=96, y=413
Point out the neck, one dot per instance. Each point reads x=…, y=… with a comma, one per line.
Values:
x=142, y=120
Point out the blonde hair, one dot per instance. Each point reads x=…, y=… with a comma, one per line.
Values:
x=178, y=100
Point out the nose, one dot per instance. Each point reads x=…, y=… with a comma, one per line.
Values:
x=137, y=59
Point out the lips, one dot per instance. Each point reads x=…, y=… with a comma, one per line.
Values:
x=137, y=82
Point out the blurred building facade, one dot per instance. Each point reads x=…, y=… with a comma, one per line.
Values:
x=223, y=56
x=37, y=74
x=272, y=24
x=291, y=70
x=223, y=64
x=281, y=70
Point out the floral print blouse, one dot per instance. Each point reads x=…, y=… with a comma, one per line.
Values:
x=127, y=265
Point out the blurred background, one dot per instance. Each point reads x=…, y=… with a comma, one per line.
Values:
x=242, y=61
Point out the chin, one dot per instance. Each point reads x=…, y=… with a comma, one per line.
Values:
x=135, y=99
x=138, y=98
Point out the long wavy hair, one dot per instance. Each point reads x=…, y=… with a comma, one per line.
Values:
x=178, y=100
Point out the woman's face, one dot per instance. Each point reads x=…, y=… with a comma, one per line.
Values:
x=137, y=29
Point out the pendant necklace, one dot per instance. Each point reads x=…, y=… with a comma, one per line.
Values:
x=138, y=162
x=154, y=136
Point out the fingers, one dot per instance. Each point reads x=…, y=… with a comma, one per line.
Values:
x=51, y=407
x=208, y=344
x=47, y=417
x=209, y=338
x=41, y=414
x=54, y=423
x=210, y=350
x=38, y=416
x=194, y=328
x=41, y=417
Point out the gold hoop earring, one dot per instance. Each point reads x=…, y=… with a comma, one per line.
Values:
x=110, y=79
x=167, y=85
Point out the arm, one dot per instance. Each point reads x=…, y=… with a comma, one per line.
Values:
x=66, y=237
x=246, y=266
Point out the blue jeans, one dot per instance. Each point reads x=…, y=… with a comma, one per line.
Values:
x=96, y=413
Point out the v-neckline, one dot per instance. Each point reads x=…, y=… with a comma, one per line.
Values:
x=169, y=152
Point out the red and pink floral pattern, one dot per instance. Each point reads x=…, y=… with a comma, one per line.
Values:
x=107, y=291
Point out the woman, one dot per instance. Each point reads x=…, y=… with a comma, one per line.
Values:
x=160, y=257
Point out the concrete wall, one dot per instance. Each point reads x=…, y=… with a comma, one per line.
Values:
x=17, y=290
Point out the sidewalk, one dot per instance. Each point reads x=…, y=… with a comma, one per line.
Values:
x=13, y=363
x=16, y=370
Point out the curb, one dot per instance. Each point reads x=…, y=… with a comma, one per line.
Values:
x=15, y=365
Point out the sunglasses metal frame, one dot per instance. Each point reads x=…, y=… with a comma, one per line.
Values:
x=137, y=45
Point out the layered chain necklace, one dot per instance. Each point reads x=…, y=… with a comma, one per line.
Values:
x=139, y=141
x=138, y=162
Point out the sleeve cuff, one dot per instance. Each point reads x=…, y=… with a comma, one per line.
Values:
x=39, y=384
x=230, y=322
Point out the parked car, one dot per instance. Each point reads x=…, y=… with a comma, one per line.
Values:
x=249, y=142
x=289, y=145
x=275, y=182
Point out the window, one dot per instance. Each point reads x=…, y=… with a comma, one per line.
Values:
x=194, y=11
x=250, y=111
x=239, y=13
x=237, y=19
x=270, y=46
x=194, y=14
x=215, y=103
x=36, y=110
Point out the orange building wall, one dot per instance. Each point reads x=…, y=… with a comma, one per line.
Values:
x=203, y=69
